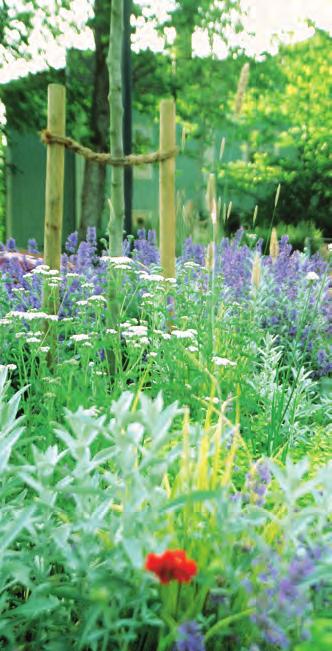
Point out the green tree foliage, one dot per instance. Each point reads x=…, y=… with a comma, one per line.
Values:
x=287, y=125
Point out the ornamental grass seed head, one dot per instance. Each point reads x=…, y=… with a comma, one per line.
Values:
x=241, y=89
x=211, y=198
x=210, y=257
x=256, y=271
x=274, y=245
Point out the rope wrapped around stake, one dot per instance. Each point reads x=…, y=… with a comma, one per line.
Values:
x=132, y=160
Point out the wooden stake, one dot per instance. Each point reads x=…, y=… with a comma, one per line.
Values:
x=54, y=177
x=56, y=119
x=167, y=207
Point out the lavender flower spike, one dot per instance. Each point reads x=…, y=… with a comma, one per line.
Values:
x=190, y=638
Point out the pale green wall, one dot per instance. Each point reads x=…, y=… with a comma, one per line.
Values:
x=26, y=183
x=25, y=194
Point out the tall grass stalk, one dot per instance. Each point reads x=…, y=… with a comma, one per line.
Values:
x=276, y=200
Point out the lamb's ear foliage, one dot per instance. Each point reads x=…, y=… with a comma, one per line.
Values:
x=11, y=427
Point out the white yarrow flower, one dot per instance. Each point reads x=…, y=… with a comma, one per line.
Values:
x=41, y=269
x=311, y=275
x=120, y=259
x=222, y=361
x=184, y=334
x=155, y=278
x=81, y=337
x=31, y=316
x=97, y=298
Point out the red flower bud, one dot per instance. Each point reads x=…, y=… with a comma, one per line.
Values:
x=172, y=565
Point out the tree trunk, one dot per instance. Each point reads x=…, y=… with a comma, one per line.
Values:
x=114, y=61
x=93, y=197
x=127, y=122
x=93, y=193
x=184, y=23
x=183, y=43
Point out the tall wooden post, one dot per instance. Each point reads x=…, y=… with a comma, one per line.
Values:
x=56, y=121
x=167, y=210
x=56, y=124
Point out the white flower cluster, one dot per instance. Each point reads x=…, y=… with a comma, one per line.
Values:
x=153, y=278
x=311, y=275
x=131, y=330
x=31, y=316
x=80, y=337
x=222, y=361
x=190, y=333
x=44, y=270
x=72, y=275
x=119, y=262
x=97, y=298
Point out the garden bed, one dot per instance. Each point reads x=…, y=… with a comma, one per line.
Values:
x=165, y=450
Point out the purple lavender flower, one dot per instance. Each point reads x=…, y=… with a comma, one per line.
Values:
x=11, y=244
x=145, y=247
x=91, y=236
x=324, y=362
x=190, y=638
x=32, y=246
x=263, y=471
x=126, y=246
x=72, y=242
x=283, y=599
x=257, y=481
x=234, y=263
x=193, y=252
x=83, y=257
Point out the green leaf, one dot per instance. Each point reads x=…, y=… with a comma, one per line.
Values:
x=195, y=496
x=35, y=606
x=13, y=531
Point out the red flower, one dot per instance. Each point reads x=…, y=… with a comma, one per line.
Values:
x=172, y=565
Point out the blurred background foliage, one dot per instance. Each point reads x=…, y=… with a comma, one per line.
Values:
x=286, y=121
x=281, y=134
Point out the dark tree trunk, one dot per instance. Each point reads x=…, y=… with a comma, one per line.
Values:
x=93, y=193
x=127, y=122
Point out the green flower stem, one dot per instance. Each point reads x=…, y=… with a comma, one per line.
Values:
x=224, y=623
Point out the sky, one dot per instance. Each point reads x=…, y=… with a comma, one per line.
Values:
x=269, y=19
